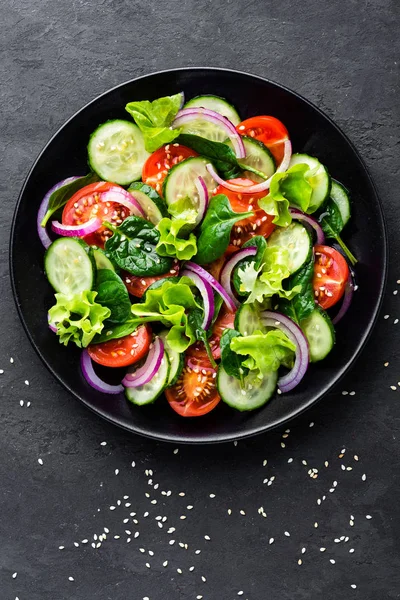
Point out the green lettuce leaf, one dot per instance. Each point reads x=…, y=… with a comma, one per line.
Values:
x=172, y=242
x=78, y=318
x=169, y=304
x=154, y=120
x=290, y=187
x=268, y=279
x=265, y=351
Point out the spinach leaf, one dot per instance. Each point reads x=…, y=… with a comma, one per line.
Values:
x=231, y=361
x=112, y=293
x=154, y=120
x=114, y=332
x=302, y=305
x=133, y=248
x=195, y=320
x=215, y=229
x=332, y=225
x=220, y=155
x=260, y=243
x=60, y=197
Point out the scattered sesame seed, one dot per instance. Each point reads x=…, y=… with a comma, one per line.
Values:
x=148, y=565
x=116, y=471
x=103, y=444
x=332, y=560
x=21, y=402
x=207, y=537
x=271, y=540
x=40, y=461
x=133, y=464
x=368, y=516
x=299, y=562
x=171, y=542
x=176, y=450
x=212, y=495
x=290, y=460
x=326, y=463
x=393, y=387
x=311, y=424
x=315, y=524
x=71, y=579
x=322, y=549
x=385, y=316
x=27, y=382
x=344, y=393
x=353, y=585
x=11, y=360
x=242, y=512
x=303, y=550
x=287, y=534
x=351, y=550
x=14, y=575
x=1, y=371
x=179, y=571
x=203, y=578
x=364, y=477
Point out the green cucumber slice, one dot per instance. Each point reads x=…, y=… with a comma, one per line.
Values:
x=180, y=181
x=153, y=205
x=340, y=196
x=148, y=393
x=176, y=360
x=216, y=103
x=247, y=319
x=69, y=267
x=101, y=260
x=252, y=395
x=258, y=159
x=296, y=239
x=317, y=177
x=116, y=151
x=320, y=334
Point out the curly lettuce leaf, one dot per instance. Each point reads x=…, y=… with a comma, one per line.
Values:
x=265, y=352
x=169, y=304
x=268, y=279
x=172, y=241
x=78, y=318
x=291, y=187
x=154, y=120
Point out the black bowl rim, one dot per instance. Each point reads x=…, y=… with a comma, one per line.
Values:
x=219, y=438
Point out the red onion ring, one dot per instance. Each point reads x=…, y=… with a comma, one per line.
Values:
x=187, y=115
x=203, y=198
x=300, y=216
x=94, y=380
x=206, y=292
x=77, y=230
x=42, y=232
x=295, y=334
x=347, y=298
x=228, y=267
x=121, y=196
x=150, y=367
x=52, y=328
x=206, y=276
x=257, y=187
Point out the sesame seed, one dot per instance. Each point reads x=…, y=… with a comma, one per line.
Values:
x=212, y=495
x=207, y=537
x=176, y=450
x=322, y=549
x=116, y=471
x=287, y=534
x=148, y=565
x=71, y=579
x=171, y=542
x=364, y=477
x=315, y=524
x=385, y=316
x=299, y=562
x=26, y=382
x=332, y=560
x=11, y=360
x=179, y=571
x=40, y=461
x=290, y=460
x=368, y=516
x=353, y=585
x=271, y=540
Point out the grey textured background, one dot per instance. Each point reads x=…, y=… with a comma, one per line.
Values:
x=56, y=56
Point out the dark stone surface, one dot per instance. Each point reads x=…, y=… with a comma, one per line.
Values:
x=55, y=57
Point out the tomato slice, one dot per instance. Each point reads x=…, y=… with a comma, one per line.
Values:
x=268, y=130
x=156, y=167
x=195, y=393
x=138, y=285
x=330, y=275
x=85, y=204
x=225, y=320
x=259, y=224
x=122, y=352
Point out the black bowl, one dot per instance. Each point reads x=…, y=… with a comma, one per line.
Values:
x=312, y=132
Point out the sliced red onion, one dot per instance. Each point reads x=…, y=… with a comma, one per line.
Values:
x=150, y=367
x=121, y=196
x=347, y=298
x=94, y=380
x=52, y=328
x=206, y=292
x=77, y=230
x=206, y=276
x=228, y=267
x=300, y=216
x=42, y=232
x=295, y=334
x=187, y=115
x=203, y=198
x=257, y=187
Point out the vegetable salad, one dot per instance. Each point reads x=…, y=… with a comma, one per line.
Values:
x=193, y=256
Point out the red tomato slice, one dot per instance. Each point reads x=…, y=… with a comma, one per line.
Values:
x=156, y=167
x=268, y=130
x=138, y=285
x=85, y=205
x=330, y=276
x=195, y=393
x=259, y=224
x=225, y=320
x=124, y=351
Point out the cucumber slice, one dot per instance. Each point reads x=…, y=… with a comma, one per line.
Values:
x=153, y=205
x=116, y=152
x=68, y=266
x=296, y=239
x=148, y=393
x=252, y=395
x=258, y=159
x=180, y=181
x=176, y=360
x=247, y=320
x=340, y=196
x=216, y=103
x=317, y=177
x=101, y=260
x=320, y=334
